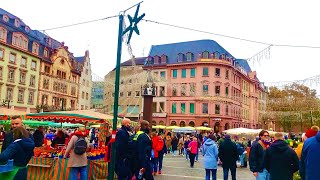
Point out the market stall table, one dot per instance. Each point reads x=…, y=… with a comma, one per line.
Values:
x=40, y=168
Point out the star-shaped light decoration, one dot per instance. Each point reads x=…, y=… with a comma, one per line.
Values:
x=133, y=24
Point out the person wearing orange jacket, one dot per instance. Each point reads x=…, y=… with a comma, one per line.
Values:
x=156, y=147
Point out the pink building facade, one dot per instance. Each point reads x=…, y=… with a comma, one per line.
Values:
x=205, y=86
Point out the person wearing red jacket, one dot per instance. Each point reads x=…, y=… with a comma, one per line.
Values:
x=156, y=147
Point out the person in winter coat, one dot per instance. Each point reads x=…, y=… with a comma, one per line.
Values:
x=21, y=151
x=77, y=163
x=157, y=146
x=228, y=155
x=38, y=136
x=309, y=167
x=59, y=139
x=161, y=152
x=280, y=160
x=186, y=143
x=168, y=142
x=257, y=154
x=174, y=145
x=180, y=145
x=193, y=148
x=309, y=133
x=210, y=153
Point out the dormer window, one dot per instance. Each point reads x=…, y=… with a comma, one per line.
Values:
x=17, y=22
x=5, y=18
x=216, y=55
x=222, y=56
x=180, y=57
x=157, y=59
x=189, y=56
x=3, y=34
x=45, y=53
x=164, y=59
x=205, y=55
x=35, y=48
x=49, y=41
x=27, y=29
x=20, y=41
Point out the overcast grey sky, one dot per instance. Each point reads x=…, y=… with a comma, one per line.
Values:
x=273, y=21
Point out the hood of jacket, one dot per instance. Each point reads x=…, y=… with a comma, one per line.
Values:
x=279, y=146
x=26, y=144
x=209, y=142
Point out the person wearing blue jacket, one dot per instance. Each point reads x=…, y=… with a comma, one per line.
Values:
x=310, y=158
x=21, y=151
x=210, y=153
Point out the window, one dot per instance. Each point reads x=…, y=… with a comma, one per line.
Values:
x=227, y=91
x=205, y=71
x=3, y=33
x=192, y=89
x=189, y=56
x=31, y=97
x=163, y=74
x=164, y=59
x=192, y=108
x=129, y=94
x=193, y=72
x=33, y=65
x=174, y=91
x=82, y=95
x=217, y=109
x=174, y=73
x=218, y=72
x=204, y=108
x=227, y=109
x=12, y=58
x=121, y=94
x=157, y=60
x=227, y=74
x=87, y=96
x=217, y=88
x=205, y=55
x=11, y=75
x=32, y=80
x=174, y=108
x=183, y=73
x=47, y=70
x=154, y=107
x=183, y=108
x=1, y=72
x=20, y=41
x=183, y=89
x=35, y=48
x=23, y=62
x=130, y=81
x=162, y=91
x=46, y=84
x=205, y=89
x=45, y=53
x=1, y=54
x=82, y=107
x=180, y=57
x=137, y=93
x=22, y=77
x=20, y=95
x=161, y=106
x=122, y=81
x=9, y=93
x=133, y=109
x=87, y=71
x=73, y=91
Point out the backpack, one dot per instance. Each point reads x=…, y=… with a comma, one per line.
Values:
x=240, y=149
x=80, y=146
x=132, y=146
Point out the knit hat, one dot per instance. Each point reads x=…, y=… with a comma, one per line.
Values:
x=227, y=136
x=310, y=133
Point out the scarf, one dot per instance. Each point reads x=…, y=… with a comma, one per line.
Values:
x=264, y=144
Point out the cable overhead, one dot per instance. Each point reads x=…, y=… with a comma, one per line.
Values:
x=232, y=37
x=80, y=23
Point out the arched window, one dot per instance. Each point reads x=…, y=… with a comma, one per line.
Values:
x=161, y=123
x=191, y=123
x=205, y=124
x=173, y=123
x=226, y=126
x=205, y=55
x=222, y=56
x=190, y=56
x=154, y=123
x=216, y=55
x=180, y=57
x=182, y=124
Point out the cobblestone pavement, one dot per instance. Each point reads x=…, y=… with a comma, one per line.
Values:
x=177, y=167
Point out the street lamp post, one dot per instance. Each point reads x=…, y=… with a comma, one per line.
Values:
x=132, y=27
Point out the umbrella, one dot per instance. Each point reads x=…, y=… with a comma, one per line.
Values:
x=184, y=129
x=65, y=125
x=35, y=123
x=203, y=128
x=172, y=127
x=158, y=127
